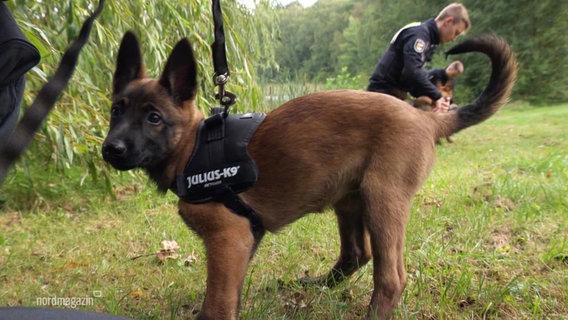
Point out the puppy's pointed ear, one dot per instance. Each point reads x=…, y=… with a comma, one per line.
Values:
x=180, y=74
x=128, y=64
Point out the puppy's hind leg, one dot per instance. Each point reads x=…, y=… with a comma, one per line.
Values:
x=355, y=246
x=387, y=210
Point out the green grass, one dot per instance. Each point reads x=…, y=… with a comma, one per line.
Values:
x=488, y=238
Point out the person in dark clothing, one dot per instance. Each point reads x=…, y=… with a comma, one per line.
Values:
x=17, y=56
x=400, y=69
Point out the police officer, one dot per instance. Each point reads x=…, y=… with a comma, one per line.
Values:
x=401, y=68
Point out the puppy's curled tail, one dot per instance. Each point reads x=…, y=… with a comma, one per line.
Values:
x=498, y=90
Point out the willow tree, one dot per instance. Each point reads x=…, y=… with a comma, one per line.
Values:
x=74, y=131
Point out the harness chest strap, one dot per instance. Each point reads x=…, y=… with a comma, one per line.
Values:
x=232, y=201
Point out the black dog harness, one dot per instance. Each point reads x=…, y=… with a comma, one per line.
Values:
x=220, y=167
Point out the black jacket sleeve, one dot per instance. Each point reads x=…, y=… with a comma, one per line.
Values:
x=413, y=72
x=17, y=56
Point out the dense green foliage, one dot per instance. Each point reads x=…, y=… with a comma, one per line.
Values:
x=75, y=129
x=317, y=42
x=333, y=44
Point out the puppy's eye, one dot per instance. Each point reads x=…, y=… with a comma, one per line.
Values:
x=116, y=110
x=154, y=118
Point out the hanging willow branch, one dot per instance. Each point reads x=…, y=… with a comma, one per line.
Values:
x=46, y=98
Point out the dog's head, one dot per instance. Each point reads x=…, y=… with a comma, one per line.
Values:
x=445, y=86
x=148, y=116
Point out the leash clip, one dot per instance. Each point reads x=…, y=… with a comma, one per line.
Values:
x=225, y=98
x=220, y=79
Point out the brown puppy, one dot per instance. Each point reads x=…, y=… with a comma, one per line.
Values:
x=364, y=154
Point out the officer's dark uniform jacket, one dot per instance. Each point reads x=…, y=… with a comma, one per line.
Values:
x=17, y=56
x=401, y=68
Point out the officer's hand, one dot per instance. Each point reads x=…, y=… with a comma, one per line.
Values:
x=442, y=105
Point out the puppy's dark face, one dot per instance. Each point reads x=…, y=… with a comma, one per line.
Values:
x=143, y=126
x=148, y=115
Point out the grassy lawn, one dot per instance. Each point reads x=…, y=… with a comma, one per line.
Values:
x=488, y=238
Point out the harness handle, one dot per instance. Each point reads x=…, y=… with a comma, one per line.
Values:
x=221, y=75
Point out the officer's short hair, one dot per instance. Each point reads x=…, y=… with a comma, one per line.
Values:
x=458, y=12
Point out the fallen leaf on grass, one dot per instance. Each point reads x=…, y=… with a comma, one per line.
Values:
x=168, y=251
x=73, y=265
x=189, y=260
x=164, y=255
x=170, y=245
x=136, y=293
x=433, y=202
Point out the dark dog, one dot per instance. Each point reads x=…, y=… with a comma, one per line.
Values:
x=443, y=79
x=364, y=154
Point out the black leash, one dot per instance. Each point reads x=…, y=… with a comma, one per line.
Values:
x=222, y=73
x=46, y=98
x=228, y=197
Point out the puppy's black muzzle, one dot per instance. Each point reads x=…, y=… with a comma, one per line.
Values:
x=116, y=153
x=114, y=149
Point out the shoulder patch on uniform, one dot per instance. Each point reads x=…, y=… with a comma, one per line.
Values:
x=419, y=45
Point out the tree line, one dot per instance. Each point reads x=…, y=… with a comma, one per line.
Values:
x=320, y=41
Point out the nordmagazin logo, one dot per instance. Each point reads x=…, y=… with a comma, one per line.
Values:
x=212, y=177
